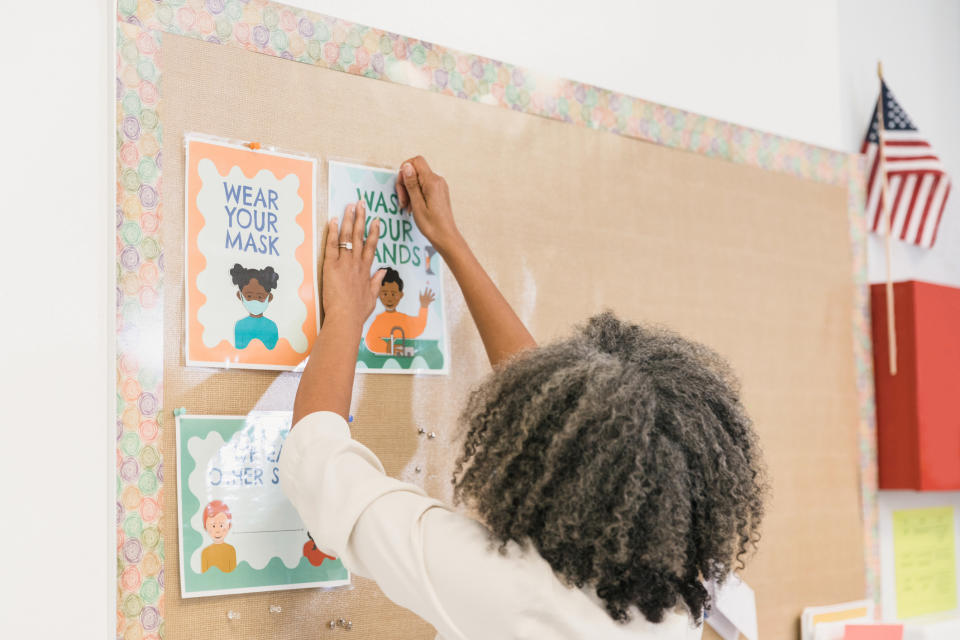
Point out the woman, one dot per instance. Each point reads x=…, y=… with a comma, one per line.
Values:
x=614, y=471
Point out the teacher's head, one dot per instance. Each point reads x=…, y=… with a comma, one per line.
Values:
x=623, y=455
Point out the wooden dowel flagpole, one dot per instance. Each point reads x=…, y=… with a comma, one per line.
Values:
x=888, y=224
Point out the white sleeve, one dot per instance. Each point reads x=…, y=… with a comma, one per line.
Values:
x=375, y=524
x=424, y=556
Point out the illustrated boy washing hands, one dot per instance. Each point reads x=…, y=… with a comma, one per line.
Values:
x=385, y=324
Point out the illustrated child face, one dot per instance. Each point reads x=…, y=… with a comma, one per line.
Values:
x=218, y=527
x=254, y=297
x=254, y=291
x=390, y=295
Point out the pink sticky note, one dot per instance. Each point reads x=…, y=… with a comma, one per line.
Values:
x=873, y=632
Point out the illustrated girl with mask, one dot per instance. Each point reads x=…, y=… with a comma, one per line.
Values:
x=254, y=293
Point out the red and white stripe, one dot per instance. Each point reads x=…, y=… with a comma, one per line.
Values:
x=918, y=187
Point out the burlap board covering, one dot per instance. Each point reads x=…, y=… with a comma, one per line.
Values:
x=569, y=221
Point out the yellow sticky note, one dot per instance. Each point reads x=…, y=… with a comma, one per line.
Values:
x=924, y=561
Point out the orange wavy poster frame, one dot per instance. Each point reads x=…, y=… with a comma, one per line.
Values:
x=225, y=156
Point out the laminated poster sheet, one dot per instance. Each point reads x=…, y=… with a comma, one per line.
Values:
x=251, y=255
x=238, y=532
x=406, y=333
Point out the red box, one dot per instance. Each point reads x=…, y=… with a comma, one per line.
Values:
x=918, y=410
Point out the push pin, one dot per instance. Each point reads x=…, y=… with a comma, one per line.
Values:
x=348, y=625
x=253, y=146
x=431, y=435
x=333, y=624
x=232, y=615
x=275, y=608
x=421, y=430
x=342, y=622
x=418, y=468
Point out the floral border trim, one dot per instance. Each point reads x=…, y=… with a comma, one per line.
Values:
x=295, y=34
x=863, y=360
x=139, y=312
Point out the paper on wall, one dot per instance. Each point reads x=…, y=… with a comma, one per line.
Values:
x=828, y=622
x=873, y=632
x=238, y=531
x=407, y=331
x=734, y=609
x=250, y=261
x=925, y=567
x=724, y=628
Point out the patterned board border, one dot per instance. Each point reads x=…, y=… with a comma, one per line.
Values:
x=302, y=36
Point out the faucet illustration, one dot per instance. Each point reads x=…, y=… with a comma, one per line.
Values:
x=403, y=341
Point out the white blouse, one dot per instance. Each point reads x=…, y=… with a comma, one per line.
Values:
x=438, y=563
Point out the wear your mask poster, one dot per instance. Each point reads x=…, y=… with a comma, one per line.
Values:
x=238, y=531
x=251, y=255
x=407, y=331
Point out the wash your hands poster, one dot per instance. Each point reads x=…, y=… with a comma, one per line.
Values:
x=406, y=333
x=238, y=531
x=251, y=253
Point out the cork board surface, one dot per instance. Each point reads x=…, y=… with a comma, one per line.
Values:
x=568, y=221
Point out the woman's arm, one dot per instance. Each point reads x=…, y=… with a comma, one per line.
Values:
x=349, y=296
x=426, y=193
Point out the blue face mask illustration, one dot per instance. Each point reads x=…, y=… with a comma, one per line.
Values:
x=255, y=307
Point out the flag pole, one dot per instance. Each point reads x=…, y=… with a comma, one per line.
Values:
x=888, y=224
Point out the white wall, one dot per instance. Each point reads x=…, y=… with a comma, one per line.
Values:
x=799, y=69
x=805, y=70
x=768, y=65
x=56, y=389
x=919, y=43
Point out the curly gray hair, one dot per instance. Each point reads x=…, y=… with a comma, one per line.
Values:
x=623, y=455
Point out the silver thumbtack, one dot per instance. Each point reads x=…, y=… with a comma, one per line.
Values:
x=421, y=430
x=418, y=468
x=333, y=624
x=232, y=615
x=341, y=622
x=275, y=608
x=348, y=626
x=431, y=435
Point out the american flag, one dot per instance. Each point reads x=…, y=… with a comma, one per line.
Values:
x=918, y=184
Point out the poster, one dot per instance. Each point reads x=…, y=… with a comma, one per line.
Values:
x=251, y=255
x=924, y=556
x=238, y=531
x=406, y=333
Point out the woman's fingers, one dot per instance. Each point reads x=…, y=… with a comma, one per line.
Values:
x=331, y=252
x=346, y=229
x=412, y=183
x=359, y=222
x=370, y=246
x=402, y=192
x=410, y=192
x=423, y=169
x=375, y=281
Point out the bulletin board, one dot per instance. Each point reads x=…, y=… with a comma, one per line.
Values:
x=576, y=199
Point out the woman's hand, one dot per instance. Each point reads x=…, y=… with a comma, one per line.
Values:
x=426, y=193
x=349, y=295
x=349, y=292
